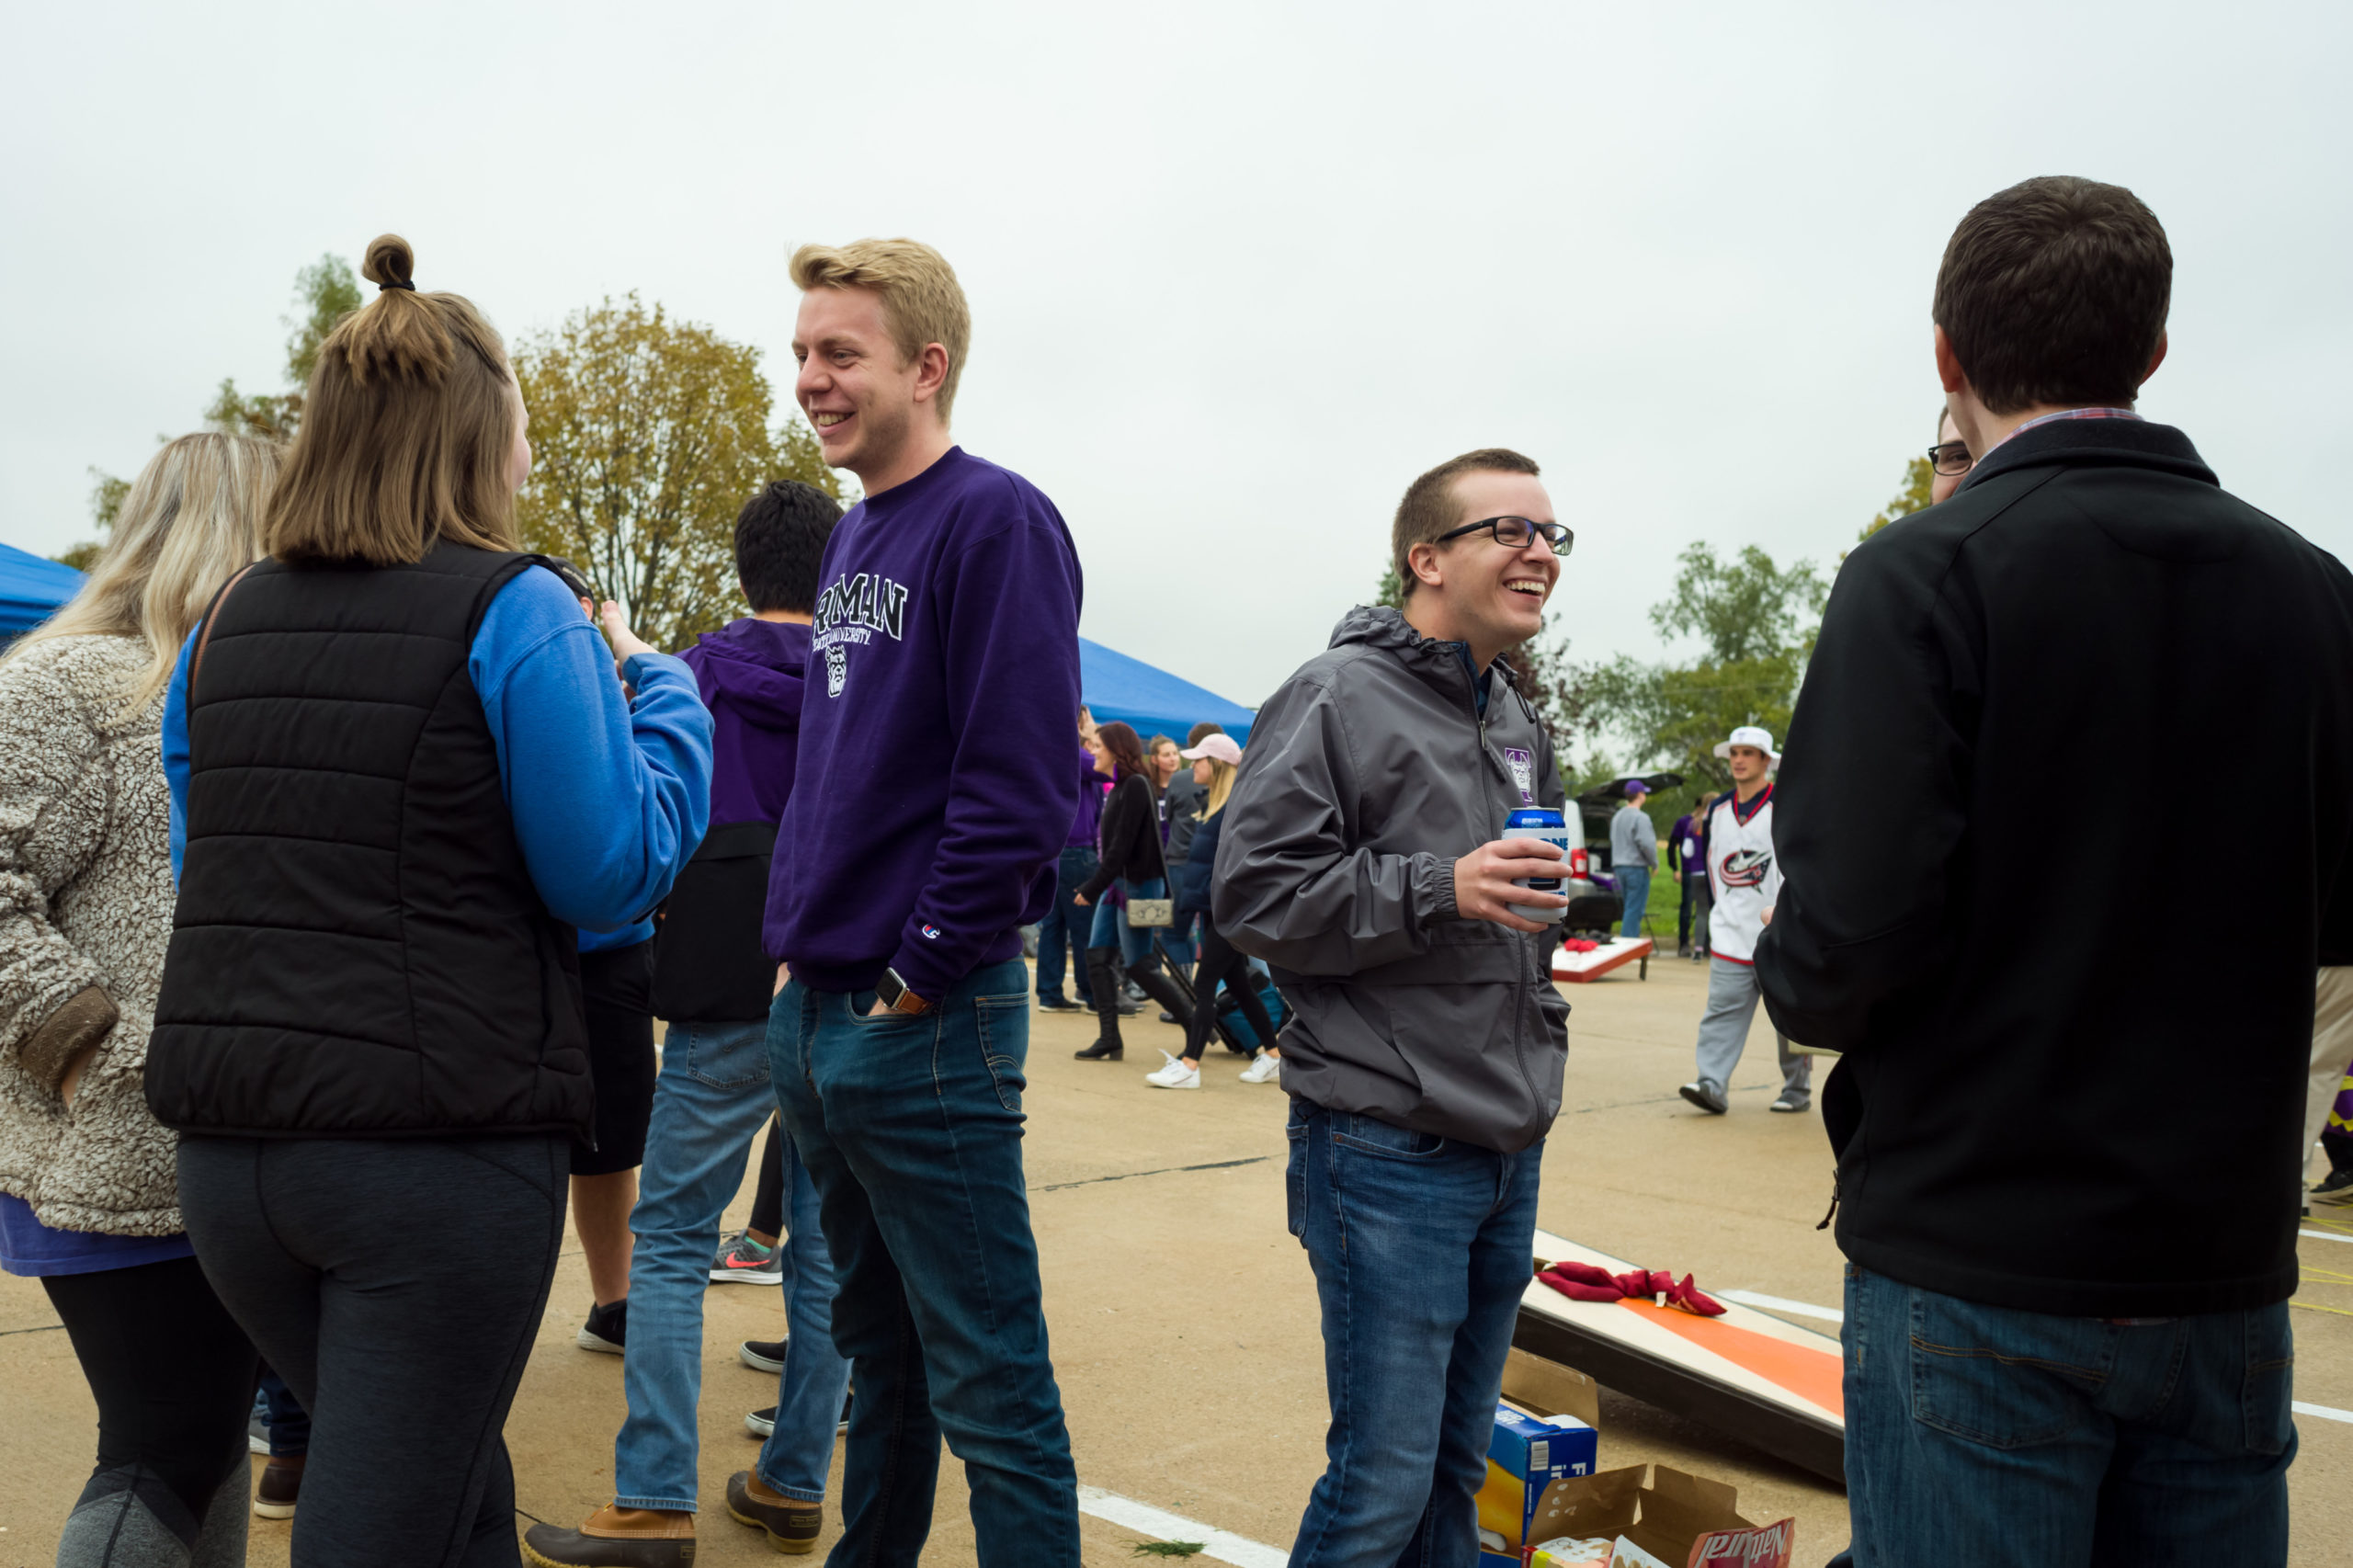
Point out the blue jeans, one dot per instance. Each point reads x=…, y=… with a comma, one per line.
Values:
x=708, y=1105
x=1111, y=927
x=1992, y=1436
x=1064, y=931
x=912, y=1128
x=1635, y=887
x=1420, y=1246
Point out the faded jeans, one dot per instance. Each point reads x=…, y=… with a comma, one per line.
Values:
x=2005, y=1438
x=710, y=1104
x=911, y=1126
x=1420, y=1246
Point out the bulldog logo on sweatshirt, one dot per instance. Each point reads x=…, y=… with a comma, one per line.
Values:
x=836, y=669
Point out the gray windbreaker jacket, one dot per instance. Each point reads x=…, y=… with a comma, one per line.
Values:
x=1368, y=775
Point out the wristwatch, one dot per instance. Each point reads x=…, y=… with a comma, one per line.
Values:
x=893, y=993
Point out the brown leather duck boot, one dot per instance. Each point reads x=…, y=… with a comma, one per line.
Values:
x=615, y=1537
x=792, y=1525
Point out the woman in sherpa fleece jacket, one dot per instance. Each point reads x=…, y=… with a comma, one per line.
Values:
x=89, y=1202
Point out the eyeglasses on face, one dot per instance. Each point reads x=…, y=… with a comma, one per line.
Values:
x=1950, y=458
x=1513, y=533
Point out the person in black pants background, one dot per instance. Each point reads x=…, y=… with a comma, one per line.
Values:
x=1131, y=856
x=370, y=1033
x=1217, y=757
x=1062, y=934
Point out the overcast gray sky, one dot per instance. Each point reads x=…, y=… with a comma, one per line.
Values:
x=1237, y=272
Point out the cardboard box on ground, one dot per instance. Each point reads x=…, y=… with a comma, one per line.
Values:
x=1570, y=1515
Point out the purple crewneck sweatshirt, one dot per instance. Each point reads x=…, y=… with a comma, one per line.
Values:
x=751, y=674
x=936, y=789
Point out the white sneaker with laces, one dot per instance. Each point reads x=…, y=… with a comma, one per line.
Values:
x=1176, y=1075
x=1264, y=1068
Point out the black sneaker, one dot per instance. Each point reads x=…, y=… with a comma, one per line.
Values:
x=1058, y=1003
x=760, y=1423
x=2335, y=1190
x=762, y=1355
x=606, y=1328
x=258, y=1434
x=1707, y=1095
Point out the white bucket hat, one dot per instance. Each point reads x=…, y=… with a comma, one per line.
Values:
x=1751, y=735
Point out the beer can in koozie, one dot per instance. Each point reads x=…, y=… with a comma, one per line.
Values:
x=1539, y=822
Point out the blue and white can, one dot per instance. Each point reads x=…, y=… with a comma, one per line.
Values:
x=1544, y=822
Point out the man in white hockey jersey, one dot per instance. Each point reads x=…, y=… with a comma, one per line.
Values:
x=1744, y=880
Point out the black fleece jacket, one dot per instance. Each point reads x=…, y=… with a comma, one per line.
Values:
x=1131, y=836
x=2073, y=1078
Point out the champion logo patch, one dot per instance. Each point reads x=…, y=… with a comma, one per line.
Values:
x=931, y=933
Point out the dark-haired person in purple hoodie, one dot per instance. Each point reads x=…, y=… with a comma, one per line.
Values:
x=712, y=979
x=936, y=792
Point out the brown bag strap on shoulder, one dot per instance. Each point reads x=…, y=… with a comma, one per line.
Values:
x=204, y=640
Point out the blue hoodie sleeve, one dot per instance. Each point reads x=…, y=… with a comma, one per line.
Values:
x=1012, y=684
x=609, y=798
x=175, y=750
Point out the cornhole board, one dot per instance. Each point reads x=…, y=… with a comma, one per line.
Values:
x=1767, y=1382
x=1616, y=953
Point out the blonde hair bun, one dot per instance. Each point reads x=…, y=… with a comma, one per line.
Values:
x=391, y=263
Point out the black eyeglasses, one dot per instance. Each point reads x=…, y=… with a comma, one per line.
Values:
x=1513, y=533
x=1950, y=458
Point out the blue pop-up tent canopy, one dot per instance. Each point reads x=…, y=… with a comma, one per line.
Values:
x=1113, y=687
x=31, y=589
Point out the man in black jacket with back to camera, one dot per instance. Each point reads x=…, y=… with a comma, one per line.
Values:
x=2068, y=1153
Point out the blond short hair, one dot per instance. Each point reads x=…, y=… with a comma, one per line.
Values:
x=922, y=302
x=407, y=431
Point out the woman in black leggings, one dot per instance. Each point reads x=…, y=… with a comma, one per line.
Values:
x=1214, y=761
x=409, y=774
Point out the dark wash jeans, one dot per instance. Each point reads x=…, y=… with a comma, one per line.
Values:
x=911, y=1128
x=1062, y=934
x=1421, y=1248
x=1993, y=1437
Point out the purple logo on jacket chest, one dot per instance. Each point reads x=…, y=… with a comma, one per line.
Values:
x=1523, y=771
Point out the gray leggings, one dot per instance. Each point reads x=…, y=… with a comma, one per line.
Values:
x=396, y=1286
x=1732, y=996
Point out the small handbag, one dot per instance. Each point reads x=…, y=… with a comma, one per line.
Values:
x=1155, y=912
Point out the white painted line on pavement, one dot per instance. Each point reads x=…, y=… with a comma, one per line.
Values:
x=2325, y=1236
x=2323, y=1411
x=1222, y=1546
x=1777, y=1304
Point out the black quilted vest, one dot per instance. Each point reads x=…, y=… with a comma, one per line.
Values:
x=358, y=950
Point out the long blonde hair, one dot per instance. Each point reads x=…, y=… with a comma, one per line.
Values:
x=407, y=430
x=188, y=524
x=1220, y=785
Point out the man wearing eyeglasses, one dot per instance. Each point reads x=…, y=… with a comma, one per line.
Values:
x=1363, y=859
x=1949, y=459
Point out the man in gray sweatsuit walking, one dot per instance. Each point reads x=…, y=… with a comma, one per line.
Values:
x=1362, y=858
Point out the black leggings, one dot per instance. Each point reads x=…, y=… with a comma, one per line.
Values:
x=173, y=1375
x=396, y=1286
x=1220, y=962
x=767, y=1198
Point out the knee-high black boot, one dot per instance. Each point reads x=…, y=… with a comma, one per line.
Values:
x=1107, y=1046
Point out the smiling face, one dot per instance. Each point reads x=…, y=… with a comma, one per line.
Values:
x=864, y=401
x=1492, y=597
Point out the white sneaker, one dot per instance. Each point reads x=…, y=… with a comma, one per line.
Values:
x=1176, y=1075
x=1264, y=1068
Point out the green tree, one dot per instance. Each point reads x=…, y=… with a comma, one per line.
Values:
x=1913, y=497
x=327, y=291
x=648, y=436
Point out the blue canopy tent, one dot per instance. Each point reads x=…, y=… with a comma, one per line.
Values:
x=31, y=589
x=1113, y=687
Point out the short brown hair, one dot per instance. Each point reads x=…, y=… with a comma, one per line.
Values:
x=922, y=302
x=1200, y=732
x=2056, y=291
x=406, y=431
x=1428, y=509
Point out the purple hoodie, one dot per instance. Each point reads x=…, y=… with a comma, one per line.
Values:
x=751, y=674
x=936, y=787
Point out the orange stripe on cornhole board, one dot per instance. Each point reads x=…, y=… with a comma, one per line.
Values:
x=1808, y=1373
